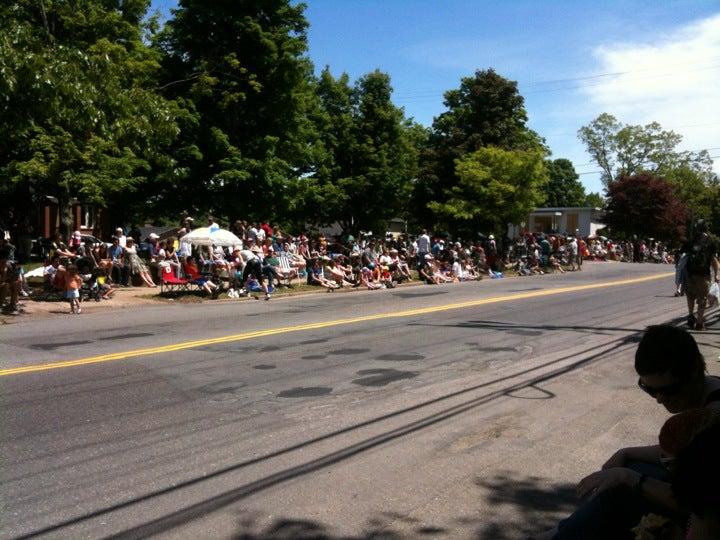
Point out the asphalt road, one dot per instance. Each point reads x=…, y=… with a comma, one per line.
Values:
x=457, y=411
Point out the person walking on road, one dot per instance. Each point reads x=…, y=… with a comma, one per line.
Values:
x=702, y=256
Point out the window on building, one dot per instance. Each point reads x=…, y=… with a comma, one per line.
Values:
x=87, y=216
x=542, y=224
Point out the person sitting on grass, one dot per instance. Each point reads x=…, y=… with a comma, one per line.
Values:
x=316, y=276
x=338, y=274
x=400, y=264
x=442, y=272
x=461, y=273
x=278, y=272
x=522, y=267
x=344, y=265
x=427, y=271
x=53, y=274
x=534, y=266
x=634, y=481
x=367, y=279
x=555, y=265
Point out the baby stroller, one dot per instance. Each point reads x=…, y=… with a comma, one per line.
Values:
x=89, y=271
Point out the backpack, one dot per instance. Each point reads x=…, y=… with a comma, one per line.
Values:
x=699, y=257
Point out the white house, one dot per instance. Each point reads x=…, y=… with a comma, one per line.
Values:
x=583, y=221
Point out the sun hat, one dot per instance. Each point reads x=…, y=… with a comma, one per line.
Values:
x=153, y=236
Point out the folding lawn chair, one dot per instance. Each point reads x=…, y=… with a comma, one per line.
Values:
x=285, y=272
x=169, y=282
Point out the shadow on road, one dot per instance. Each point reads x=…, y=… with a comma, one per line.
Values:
x=533, y=505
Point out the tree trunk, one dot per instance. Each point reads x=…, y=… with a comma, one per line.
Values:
x=66, y=217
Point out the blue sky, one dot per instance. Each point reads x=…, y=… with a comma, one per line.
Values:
x=665, y=56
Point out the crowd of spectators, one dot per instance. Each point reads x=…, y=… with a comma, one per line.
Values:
x=266, y=257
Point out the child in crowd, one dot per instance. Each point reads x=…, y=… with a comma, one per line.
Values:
x=73, y=282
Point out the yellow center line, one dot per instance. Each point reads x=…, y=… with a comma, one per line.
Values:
x=314, y=326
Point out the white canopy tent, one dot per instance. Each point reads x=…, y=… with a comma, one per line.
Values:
x=205, y=237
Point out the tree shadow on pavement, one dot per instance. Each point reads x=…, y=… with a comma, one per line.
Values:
x=523, y=506
x=304, y=529
x=512, y=508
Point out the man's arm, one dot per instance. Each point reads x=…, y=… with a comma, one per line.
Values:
x=646, y=454
x=651, y=489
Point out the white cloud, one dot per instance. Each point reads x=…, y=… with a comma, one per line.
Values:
x=674, y=80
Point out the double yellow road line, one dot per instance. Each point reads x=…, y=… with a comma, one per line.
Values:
x=315, y=326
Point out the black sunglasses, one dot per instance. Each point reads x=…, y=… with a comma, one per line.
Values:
x=668, y=390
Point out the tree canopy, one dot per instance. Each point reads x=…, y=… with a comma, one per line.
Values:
x=219, y=110
x=243, y=68
x=563, y=187
x=645, y=205
x=495, y=187
x=80, y=113
x=486, y=110
x=624, y=149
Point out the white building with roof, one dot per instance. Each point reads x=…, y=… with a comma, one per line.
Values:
x=583, y=221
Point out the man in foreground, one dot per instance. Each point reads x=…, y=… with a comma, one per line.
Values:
x=634, y=481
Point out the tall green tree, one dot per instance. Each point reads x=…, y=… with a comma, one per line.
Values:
x=371, y=155
x=80, y=114
x=319, y=197
x=486, y=110
x=623, y=149
x=496, y=187
x=244, y=67
x=564, y=187
x=697, y=191
x=594, y=200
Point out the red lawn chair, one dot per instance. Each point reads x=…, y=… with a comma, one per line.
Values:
x=169, y=282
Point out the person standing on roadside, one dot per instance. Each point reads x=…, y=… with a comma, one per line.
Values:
x=702, y=256
x=582, y=250
x=574, y=250
x=423, y=247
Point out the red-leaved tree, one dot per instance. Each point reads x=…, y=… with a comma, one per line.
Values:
x=645, y=205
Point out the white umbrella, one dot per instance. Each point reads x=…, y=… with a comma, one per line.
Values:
x=225, y=238
x=205, y=237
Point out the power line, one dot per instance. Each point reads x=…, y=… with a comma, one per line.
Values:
x=674, y=127
x=600, y=172
x=587, y=164
x=420, y=94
